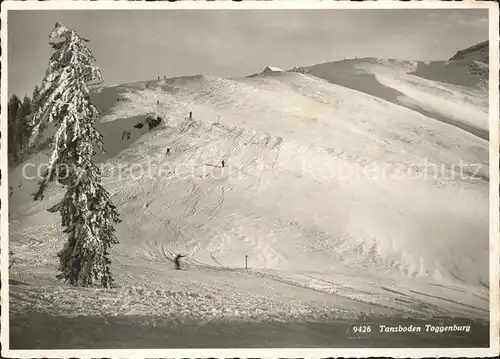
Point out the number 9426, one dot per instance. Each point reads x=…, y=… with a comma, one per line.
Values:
x=361, y=328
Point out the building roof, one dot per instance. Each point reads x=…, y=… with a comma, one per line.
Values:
x=273, y=69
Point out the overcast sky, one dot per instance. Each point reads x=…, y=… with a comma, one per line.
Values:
x=139, y=45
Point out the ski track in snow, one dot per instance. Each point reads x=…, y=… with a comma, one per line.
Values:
x=318, y=247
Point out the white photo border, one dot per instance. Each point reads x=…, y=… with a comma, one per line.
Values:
x=494, y=146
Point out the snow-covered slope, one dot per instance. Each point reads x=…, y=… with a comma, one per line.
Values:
x=326, y=188
x=454, y=92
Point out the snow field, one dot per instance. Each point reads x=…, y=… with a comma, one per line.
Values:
x=295, y=197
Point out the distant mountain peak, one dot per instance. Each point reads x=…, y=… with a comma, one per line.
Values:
x=478, y=52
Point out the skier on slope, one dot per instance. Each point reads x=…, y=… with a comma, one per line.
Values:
x=177, y=261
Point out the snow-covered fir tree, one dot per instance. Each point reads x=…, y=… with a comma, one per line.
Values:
x=88, y=215
x=34, y=99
